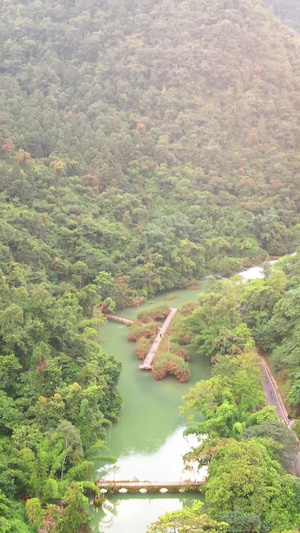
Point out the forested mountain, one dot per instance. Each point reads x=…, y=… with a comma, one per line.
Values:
x=162, y=137
x=144, y=143
x=287, y=10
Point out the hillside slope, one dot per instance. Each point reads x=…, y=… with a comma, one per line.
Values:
x=144, y=144
x=163, y=136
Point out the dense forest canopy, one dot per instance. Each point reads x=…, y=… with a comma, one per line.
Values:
x=150, y=140
x=144, y=143
x=246, y=447
x=271, y=309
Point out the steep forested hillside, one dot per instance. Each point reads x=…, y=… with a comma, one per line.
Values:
x=163, y=137
x=287, y=10
x=247, y=448
x=144, y=143
x=271, y=309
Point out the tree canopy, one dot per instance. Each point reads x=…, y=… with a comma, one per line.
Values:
x=241, y=441
x=143, y=145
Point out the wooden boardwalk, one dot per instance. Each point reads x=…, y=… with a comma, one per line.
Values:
x=111, y=487
x=119, y=319
x=147, y=364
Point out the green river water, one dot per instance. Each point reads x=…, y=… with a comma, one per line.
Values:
x=148, y=439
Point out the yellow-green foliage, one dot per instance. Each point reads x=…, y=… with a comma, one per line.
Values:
x=142, y=348
x=137, y=330
x=169, y=363
x=154, y=313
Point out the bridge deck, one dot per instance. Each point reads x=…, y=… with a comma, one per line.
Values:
x=119, y=319
x=147, y=364
x=151, y=486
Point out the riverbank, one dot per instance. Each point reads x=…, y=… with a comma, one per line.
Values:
x=148, y=439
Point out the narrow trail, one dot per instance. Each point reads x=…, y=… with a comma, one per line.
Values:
x=147, y=364
x=273, y=398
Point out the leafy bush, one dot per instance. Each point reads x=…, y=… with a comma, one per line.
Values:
x=142, y=348
x=137, y=331
x=154, y=313
x=169, y=363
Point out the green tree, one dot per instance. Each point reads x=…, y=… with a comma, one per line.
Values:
x=278, y=432
x=242, y=522
x=228, y=399
x=189, y=519
x=71, y=438
x=75, y=515
x=243, y=475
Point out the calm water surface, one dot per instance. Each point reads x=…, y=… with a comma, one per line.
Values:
x=148, y=439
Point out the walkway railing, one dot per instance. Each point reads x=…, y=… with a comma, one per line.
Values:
x=133, y=487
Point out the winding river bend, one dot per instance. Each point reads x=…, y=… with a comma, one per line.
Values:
x=148, y=439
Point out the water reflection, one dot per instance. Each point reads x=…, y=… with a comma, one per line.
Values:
x=133, y=514
x=166, y=463
x=148, y=438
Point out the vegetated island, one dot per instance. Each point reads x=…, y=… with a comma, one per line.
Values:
x=169, y=357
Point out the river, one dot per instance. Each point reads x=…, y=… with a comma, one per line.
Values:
x=148, y=439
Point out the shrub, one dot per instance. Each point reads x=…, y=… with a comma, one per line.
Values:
x=136, y=331
x=180, y=352
x=155, y=313
x=142, y=348
x=188, y=308
x=169, y=363
x=171, y=297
